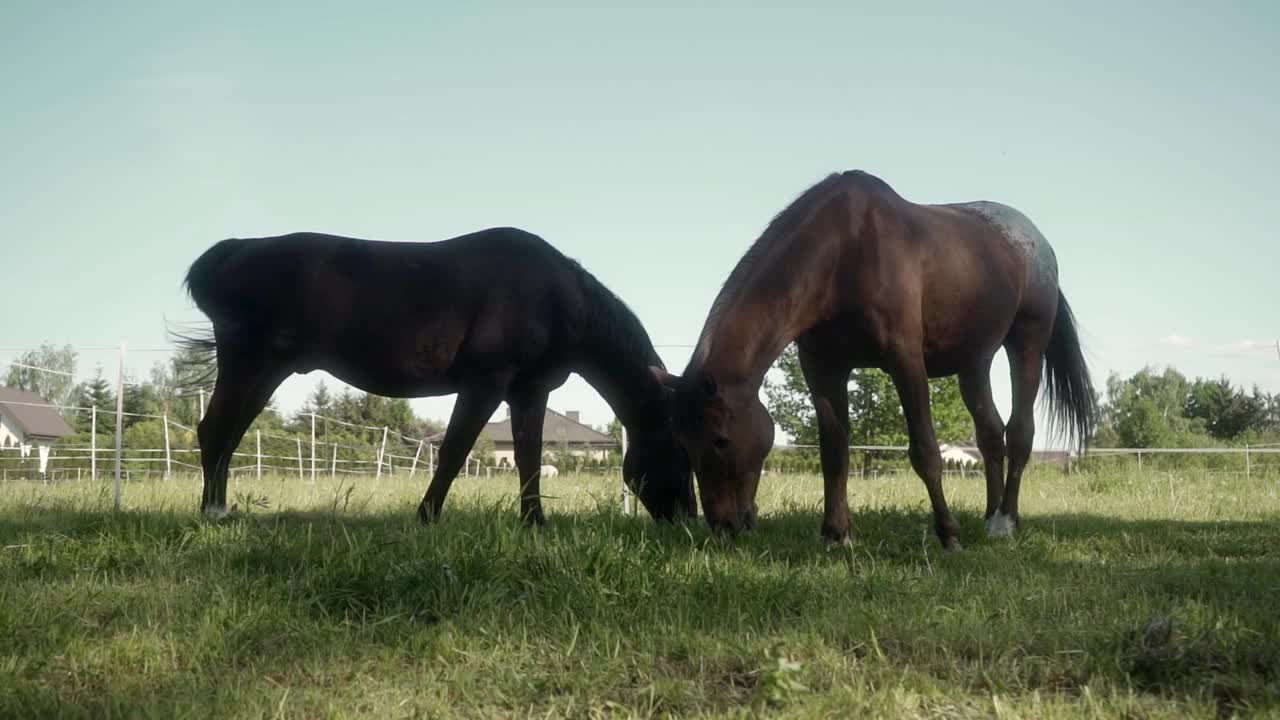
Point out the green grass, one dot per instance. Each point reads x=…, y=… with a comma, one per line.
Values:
x=1125, y=596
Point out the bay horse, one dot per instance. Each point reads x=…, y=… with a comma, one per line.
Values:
x=859, y=277
x=497, y=314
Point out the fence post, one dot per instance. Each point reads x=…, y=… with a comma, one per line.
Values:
x=1139, y=461
x=333, y=469
x=257, y=434
x=119, y=421
x=168, y=454
x=301, y=476
x=382, y=449
x=1246, y=461
x=313, y=447
x=626, y=491
x=414, y=467
x=93, y=444
x=431, y=457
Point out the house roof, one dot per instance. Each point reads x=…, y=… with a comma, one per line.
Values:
x=556, y=428
x=33, y=420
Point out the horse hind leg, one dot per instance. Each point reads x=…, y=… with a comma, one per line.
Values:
x=243, y=388
x=471, y=411
x=975, y=389
x=1025, y=362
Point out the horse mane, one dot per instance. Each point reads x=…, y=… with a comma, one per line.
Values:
x=783, y=225
x=616, y=329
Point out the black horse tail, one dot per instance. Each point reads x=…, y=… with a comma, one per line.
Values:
x=1068, y=388
x=199, y=342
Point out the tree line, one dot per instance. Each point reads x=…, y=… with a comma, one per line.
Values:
x=1149, y=409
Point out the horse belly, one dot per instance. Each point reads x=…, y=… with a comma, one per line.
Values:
x=953, y=340
x=393, y=355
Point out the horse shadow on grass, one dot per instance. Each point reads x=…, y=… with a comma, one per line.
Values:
x=395, y=582
x=1199, y=556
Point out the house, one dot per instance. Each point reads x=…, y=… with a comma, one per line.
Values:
x=960, y=456
x=559, y=430
x=965, y=457
x=29, y=421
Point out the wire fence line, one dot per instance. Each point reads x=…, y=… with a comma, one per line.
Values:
x=308, y=456
x=397, y=453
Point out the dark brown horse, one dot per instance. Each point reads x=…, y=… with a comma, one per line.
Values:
x=493, y=315
x=859, y=277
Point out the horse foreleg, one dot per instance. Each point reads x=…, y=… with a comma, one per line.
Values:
x=471, y=411
x=829, y=391
x=527, y=416
x=988, y=427
x=912, y=383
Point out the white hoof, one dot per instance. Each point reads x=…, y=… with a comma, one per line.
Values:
x=1000, y=526
x=828, y=544
x=215, y=512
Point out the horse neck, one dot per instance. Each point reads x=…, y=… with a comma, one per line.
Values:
x=784, y=295
x=623, y=383
x=614, y=360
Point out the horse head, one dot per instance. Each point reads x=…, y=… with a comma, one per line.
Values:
x=727, y=433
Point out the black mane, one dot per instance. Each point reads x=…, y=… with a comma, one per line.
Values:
x=782, y=225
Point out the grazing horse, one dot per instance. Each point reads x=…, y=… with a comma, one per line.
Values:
x=493, y=315
x=859, y=277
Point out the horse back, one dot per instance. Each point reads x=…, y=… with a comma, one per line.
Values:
x=419, y=306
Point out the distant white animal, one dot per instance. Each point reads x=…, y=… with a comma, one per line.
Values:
x=549, y=471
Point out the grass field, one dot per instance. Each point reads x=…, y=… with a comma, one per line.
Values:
x=1125, y=596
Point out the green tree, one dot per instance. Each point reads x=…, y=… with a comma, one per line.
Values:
x=176, y=385
x=49, y=372
x=614, y=431
x=319, y=402
x=1227, y=412
x=95, y=393
x=140, y=400
x=320, y=399
x=1147, y=410
x=483, y=450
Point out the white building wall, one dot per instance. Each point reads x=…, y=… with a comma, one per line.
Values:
x=10, y=434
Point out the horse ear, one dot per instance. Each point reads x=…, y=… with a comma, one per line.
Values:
x=664, y=378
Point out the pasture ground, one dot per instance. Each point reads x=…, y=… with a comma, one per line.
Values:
x=1126, y=596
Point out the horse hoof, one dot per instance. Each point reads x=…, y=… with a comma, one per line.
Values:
x=830, y=543
x=215, y=512
x=425, y=516
x=951, y=545
x=1000, y=525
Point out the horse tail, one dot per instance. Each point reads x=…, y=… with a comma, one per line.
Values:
x=1068, y=388
x=200, y=342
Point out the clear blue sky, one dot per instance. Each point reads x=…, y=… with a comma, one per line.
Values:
x=652, y=143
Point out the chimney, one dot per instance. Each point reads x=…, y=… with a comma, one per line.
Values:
x=573, y=415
